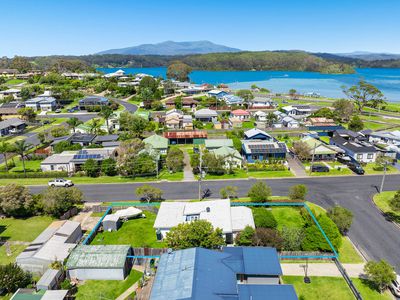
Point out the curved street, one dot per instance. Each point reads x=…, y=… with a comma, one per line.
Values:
x=374, y=236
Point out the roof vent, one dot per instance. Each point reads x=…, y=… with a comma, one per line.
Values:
x=208, y=209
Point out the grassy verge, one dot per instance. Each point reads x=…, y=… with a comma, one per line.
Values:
x=371, y=169
x=106, y=289
x=347, y=253
x=333, y=288
x=382, y=201
x=136, y=232
x=242, y=174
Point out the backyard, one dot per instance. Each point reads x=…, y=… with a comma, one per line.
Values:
x=106, y=289
x=10, y=230
x=136, y=232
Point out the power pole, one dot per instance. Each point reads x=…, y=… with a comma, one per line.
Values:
x=200, y=169
x=383, y=177
x=312, y=159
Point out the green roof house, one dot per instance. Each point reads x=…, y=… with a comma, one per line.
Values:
x=232, y=156
x=212, y=144
x=157, y=142
x=320, y=150
x=100, y=262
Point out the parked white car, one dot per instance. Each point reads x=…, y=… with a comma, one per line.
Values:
x=60, y=182
x=395, y=286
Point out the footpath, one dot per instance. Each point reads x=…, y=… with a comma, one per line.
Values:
x=321, y=269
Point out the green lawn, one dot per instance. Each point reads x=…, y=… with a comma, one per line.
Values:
x=347, y=253
x=15, y=251
x=240, y=173
x=382, y=201
x=369, y=292
x=248, y=125
x=332, y=288
x=24, y=230
x=14, y=81
x=30, y=165
x=374, y=126
x=371, y=168
x=13, y=229
x=288, y=217
x=106, y=289
x=333, y=171
x=136, y=232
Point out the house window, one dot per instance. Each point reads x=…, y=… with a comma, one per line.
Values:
x=254, y=157
x=190, y=218
x=359, y=156
x=370, y=156
x=52, y=167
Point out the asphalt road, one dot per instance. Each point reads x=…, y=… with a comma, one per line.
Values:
x=374, y=236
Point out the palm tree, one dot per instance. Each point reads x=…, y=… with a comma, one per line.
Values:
x=73, y=123
x=271, y=118
x=4, y=149
x=106, y=112
x=20, y=148
x=95, y=126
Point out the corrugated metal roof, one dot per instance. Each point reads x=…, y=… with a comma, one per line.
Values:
x=98, y=256
x=259, y=292
x=48, y=277
x=185, y=134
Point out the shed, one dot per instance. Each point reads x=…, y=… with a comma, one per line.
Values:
x=49, y=280
x=100, y=262
x=111, y=222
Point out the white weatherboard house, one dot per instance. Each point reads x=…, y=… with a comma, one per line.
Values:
x=219, y=213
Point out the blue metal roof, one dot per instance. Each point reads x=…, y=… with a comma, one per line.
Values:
x=270, y=292
x=255, y=260
x=199, y=273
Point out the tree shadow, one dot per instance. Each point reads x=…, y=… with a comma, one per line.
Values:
x=392, y=217
x=369, y=284
x=2, y=229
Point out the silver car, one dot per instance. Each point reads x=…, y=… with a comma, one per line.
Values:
x=395, y=286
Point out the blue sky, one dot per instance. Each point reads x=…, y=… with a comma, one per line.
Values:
x=44, y=27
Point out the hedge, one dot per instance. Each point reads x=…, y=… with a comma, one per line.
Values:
x=33, y=175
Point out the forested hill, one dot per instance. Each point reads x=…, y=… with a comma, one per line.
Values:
x=265, y=60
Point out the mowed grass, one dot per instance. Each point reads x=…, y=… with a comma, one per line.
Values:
x=135, y=232
x=287, y=217
x=382, y=201
x=240, y=173
x=15, y=249
x=372, y=168
x=23, y=229
x=369, y=292
x=347, y=253
x=106, y=289
x=332, y=288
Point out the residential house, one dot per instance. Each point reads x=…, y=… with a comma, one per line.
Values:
x=53, y=244
x=100, y=262
x=119, y=73
x=323, y=126
x=8, y=72
x=355, y=145
x=206, y=115
x=257, y=134
x=230, y=219
x=212, y=144
x=15, y=93
x=389, y=140
x=231, y=100
x=187, y=103
x=12, y=126
x=232, y=157
x=251, y=273
x=217, y=94
x=109, y=140
x=243, y=115
x=10, y=108
x=262, y=102
x=32, y=294
x=172, y=122
x=186, y=137
x=187, y=122
x=297, y=111
x=319, y=149
x=50, y=280
x=92, y=101
x=290, y=122
x=83, y=139
x=72, y=161
x=42, y=103
x=235, y=122
x=260, y=116
x=157, y=142
x=254, y=150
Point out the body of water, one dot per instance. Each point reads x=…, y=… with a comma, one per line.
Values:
x=329, y=85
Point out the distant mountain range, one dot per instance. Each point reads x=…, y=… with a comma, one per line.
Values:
x=173, y=48
x=369, y=56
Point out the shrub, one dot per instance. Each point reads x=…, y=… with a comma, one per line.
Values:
x=342, y=218
x=292, y=238
x=174, y=160
x=260, y=192
x=56, y=201
x=245, y=237
x=264, y=218
x=267, y=237
x=34, y=175
x=12, y=277
x=149, y=193
x=228, y=192
x=380, y=273
x=91, y=168
x=298, y=192
x=394, y=203
x=108, y=167
x=16, y=201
